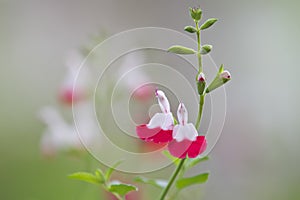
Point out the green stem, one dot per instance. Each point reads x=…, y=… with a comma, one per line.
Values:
x=201, y=103
x=118, y=196
x=199, y=47
x=172, y=179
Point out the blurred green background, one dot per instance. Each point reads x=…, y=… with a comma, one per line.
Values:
x=257, y=156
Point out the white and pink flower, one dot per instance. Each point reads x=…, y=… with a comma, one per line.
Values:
x=160, y=127
x=183, y=138
x=186, y=140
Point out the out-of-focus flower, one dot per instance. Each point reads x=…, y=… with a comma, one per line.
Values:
x=62, y=136
x=74, y=88
x=58, y=136
x=160, y=127
x=135, y=79
x=186, y=140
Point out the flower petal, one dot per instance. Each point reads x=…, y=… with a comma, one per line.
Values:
x=156, y=135
x=161, y=120
x=197, y=147
x=187, y=131
x=163, y=101
x=187, y=148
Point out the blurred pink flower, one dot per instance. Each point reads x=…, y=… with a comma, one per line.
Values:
x=75, y=85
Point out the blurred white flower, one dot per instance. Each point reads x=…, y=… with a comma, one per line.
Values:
x=75, y=85
x=62, y=136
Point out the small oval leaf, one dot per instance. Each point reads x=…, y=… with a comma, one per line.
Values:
x=190, y=29
x=208, y=23
x=181, y=50
x=87, y=177
x=121, y=188
x=185, y=182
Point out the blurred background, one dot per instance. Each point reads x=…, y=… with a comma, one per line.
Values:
x=257, y=156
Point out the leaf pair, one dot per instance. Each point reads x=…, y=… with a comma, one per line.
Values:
x=99, y=178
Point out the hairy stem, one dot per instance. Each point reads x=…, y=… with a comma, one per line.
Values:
x=199, y=47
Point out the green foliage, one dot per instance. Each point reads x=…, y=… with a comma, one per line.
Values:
x=208, y=23
x=87, y=177
x=99, y=178
x=218, y=81
x=121, y=188
x=205, y=49
x=185, y=182
x=190, y=29
x=154, y=182
x=191, y=162
x=175, y=160
x=181, y=50
x=111, y=170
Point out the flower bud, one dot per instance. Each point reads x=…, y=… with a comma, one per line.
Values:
x=221, y=78
x=162, y=101
x=182, y=114
x=205, y=49
x=196, y=13
x=201, y=83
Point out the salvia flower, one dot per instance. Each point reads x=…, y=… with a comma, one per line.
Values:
x=186, y=140
x=183, y=137
x=159, y=129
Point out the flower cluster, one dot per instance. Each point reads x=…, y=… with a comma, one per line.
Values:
x=182, y=137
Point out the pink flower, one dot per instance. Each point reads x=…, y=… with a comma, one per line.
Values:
x=225, y=74
x=74, y=88
x=159, y=129
x=183, y=138
x=186, y=140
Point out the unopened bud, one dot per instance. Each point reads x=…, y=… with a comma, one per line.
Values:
x=196, y=13
x=221, y=78
x=201, y=83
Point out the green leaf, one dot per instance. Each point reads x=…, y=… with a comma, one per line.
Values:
x=175, y=160
x=181, y=50
x=185, y=182
x=111, y=170
x=121, y=188
x=87, y=177
x=99, y=174
x=208, y=23
x=191, y=162
x=221, y=69
x=190, y=29
x=205, y=49
x=154, y=182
